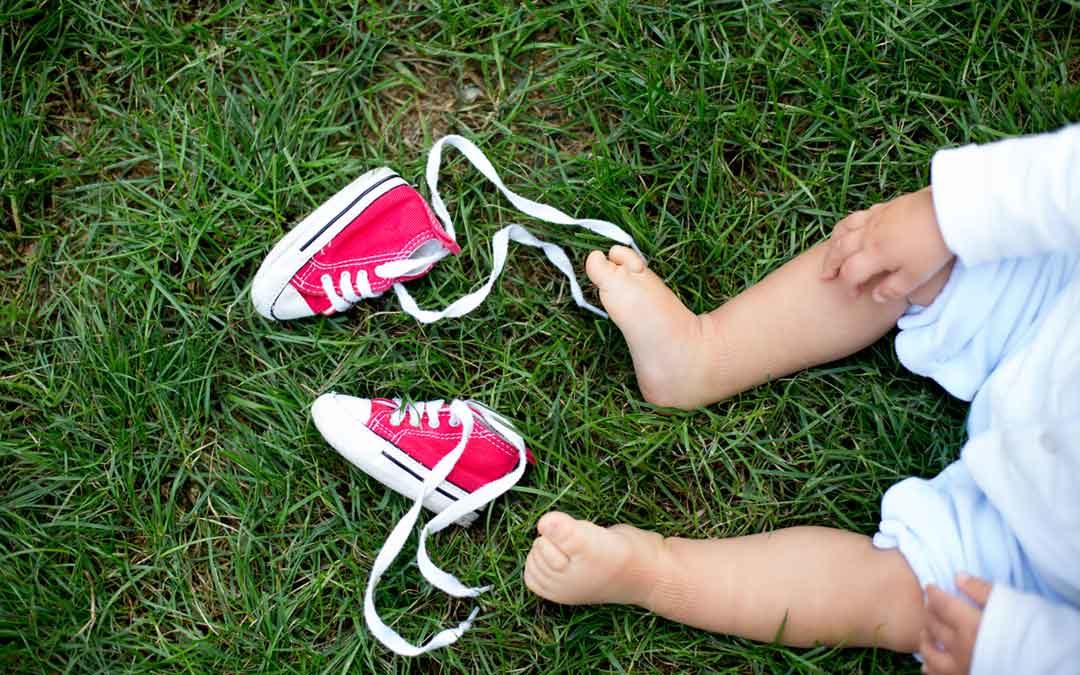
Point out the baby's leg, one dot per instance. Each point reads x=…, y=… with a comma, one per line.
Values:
x=802, y=586
x=788, y=321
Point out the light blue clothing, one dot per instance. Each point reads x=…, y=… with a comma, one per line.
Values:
x=984, y=314
x=1004, y=333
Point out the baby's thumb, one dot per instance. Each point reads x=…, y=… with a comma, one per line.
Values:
x=893, y=287
x=975, y=588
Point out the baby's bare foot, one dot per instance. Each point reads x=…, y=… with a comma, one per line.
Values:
x=575, y=562
x=665, y=338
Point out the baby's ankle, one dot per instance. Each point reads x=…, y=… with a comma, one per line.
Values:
x=665, y=590
x=677, y=387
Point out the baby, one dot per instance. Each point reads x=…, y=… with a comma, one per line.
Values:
x=977, y=569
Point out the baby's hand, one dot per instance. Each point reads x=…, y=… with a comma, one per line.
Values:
x=890, y=249
x=948, y=641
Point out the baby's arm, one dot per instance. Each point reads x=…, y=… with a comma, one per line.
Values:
x=1013, y=198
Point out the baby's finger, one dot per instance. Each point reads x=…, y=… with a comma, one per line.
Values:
x=975, y=588
x=935, y=661
x=846, y=239
x=837, y=249
x=895, y=286
x=859, y=269
x=851, y=222
x=940, y=633
x=950, y=609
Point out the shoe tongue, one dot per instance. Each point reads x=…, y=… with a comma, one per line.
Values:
x=429, y=253
x=496, y=423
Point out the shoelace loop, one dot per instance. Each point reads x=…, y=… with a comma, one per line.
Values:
x=500, y=242
x=417, y=411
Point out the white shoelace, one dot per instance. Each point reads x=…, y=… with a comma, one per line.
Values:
x=416, y=412
x=351, y=293
x=460, y=414
x=499, y=245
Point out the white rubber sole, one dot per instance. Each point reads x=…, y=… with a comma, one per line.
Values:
x=381, y=459
x=296, y=248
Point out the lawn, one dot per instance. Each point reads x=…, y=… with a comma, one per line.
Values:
x=166, y=503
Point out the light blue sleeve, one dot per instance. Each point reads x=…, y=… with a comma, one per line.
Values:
x=1025, y=633
x=1013, y=198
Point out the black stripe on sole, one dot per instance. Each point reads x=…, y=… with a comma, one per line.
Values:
x=417, y=476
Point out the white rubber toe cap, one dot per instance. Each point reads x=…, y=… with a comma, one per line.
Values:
x=273, y=295
x=289, y=305
x=337, y=416
x=276, y=301
x=263, y=295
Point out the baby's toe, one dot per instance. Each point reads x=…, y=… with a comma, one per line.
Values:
x=599, y=269
x=536, y=576
x=529, y=574
x=550, y=554
x=563, y=532
x=621, y=255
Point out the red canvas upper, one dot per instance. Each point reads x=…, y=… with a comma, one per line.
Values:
x=487, y=457
x=391, y=228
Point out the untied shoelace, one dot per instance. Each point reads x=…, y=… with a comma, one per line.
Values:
x=354, y=289
x=460, y=413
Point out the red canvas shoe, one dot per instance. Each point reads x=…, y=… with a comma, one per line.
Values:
x=453, y=459
x=379, y=231
x=398, y=444
x=375, y=232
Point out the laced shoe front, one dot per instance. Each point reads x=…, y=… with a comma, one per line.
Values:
x=379, y=232
x=376, y=232
x=399, y=443
x=452, y=458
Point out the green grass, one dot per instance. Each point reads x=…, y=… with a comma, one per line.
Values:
x=166, y=503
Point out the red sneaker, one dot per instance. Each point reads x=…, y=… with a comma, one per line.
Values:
x=453, y=459
x=399, y=444
x=379, y=231
x=367, y=237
